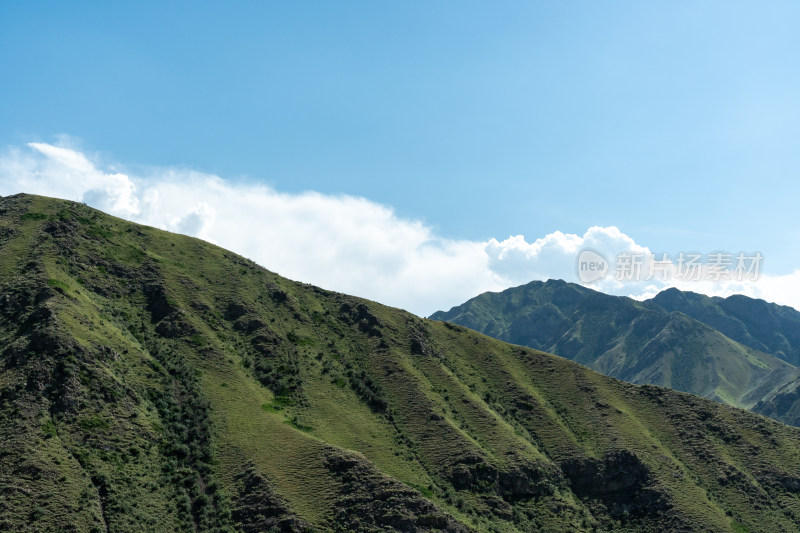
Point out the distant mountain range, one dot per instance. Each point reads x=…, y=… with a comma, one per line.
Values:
x=154, y=382
x=761, y=325
x=736, y=350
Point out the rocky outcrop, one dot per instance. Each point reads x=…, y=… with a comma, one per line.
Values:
x=620, y=480
x=257, y=508
x=518, y=481
x=371, y=501
x=360, y=316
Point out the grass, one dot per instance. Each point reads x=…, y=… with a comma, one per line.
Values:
x=639, y=342
x=178, y=369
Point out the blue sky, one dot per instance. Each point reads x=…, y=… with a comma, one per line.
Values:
x=677, y=123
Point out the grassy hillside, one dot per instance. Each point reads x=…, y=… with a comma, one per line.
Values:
x=782, y=404
x=634, y=341
x=761, y=325
x=150, y=381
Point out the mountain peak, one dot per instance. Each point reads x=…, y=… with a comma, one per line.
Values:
x=735, y=350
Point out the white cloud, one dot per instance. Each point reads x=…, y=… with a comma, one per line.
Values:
x=66, y=173
x=198, y=222
x=555, y=254
x=343, y=243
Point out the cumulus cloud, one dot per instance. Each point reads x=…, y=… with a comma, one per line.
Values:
x=65, y=173
x=343, y=243
x=555, y=254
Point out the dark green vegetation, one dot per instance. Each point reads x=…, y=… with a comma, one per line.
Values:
x=758, y=324
x=761, y=325
x=712, y=347
x=154, y=382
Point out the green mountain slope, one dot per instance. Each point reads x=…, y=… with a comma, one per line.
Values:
x=150, y=381
x=634, y=341
x=755, y=323
x=783, y=403
x=764, y=326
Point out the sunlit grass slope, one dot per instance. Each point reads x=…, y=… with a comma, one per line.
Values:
x=150, y=381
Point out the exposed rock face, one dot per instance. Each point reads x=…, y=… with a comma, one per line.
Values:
x=257, y=508
x=788, y=483
x=521, y=481
x=371, y=501
x=620, y=480
x=157, y=301
x=234, y=311
x=526, y=481
x=360, y=316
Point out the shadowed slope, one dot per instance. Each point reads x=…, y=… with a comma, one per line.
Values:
x=761, y=325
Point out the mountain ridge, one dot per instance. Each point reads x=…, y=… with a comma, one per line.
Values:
x=656, y=341
x=751, y=321
x=151, y=380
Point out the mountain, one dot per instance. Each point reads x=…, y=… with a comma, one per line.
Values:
x=151, y=381
x=782, y=404
x=761, y=325
x=755, y=323
x=653, y=342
